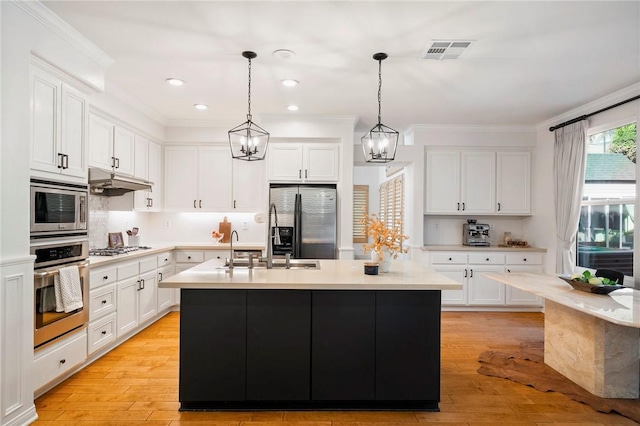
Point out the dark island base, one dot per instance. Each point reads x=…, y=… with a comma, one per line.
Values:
x=309, y=350
x=312, y=406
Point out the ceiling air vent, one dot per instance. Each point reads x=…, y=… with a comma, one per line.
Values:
x=442, y=49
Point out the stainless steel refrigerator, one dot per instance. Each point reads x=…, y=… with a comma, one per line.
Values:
x=311, y=210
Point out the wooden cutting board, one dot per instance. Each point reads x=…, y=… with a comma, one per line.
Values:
x=224, y=227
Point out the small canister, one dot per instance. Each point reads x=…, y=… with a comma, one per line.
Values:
x=371, y=268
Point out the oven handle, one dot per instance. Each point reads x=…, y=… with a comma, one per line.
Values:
x=46, y=274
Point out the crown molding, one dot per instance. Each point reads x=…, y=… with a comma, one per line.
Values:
x=223, y=124
x=293, y=117
x=473, y=128
x=45, y=16
x=124, y=96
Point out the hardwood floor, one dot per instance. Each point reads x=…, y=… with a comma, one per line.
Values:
x=137, y=384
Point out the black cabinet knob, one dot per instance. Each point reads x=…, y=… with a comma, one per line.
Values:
x=450, y=259
x=104, y=332
x=104, y=301
x=106, y=277
x=62, y=361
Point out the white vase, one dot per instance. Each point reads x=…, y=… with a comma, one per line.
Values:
x=385, y=261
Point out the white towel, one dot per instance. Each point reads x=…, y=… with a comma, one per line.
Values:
x=68, y=289
x=47, y=299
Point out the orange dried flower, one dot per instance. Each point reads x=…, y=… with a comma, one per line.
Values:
x=381, y=236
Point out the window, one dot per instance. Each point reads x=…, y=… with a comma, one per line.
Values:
x=607, y=217
x=392, y=202
x=360, y=209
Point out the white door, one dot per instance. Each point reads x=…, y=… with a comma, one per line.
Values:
x=284, y=162
x=214, y=178
x=249, y=185
x=478, y=187
x=73, y=141
x=148, y=296
x=516, y=297
x=155, y=176
x=321, y=163
x=181, y=178
x=127, y=311
x=457, y=273
x=513, y=187
x=45, y=122
x=442, y=184
x=124, y=151
x=482, y=290
x=100, y=143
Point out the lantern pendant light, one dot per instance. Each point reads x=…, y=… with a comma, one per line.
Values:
x=380, y=143
x=248, y=141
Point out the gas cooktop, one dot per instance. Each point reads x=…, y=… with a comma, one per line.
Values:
x=113, y=251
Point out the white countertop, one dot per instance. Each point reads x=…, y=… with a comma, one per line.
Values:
x=620, y=307
x=95, y=261
x=460, y=247
x=332, y=275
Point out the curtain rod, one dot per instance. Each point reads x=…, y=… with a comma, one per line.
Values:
x=584, y=117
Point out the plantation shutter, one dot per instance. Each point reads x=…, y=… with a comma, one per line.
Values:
x=392, y=202
x=360, y=209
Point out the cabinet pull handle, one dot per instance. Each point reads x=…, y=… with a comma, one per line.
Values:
x=458, y=207
x=194, y=204
x=498, y=206
x=104, y=332
x=300, y=173
x=151, y=201
x=65, y=158
x=60, y=160
x=104, y=302
x=305, y=174
x=160, y=273
x=487, y=259
x=525, y=259
x=142, y=284
x=450, y=259
x=471, y=275
x=113, y=162
x=200, y=204
x=234, y=204
x=139, y=286
x=62, y=361
x=189, y=257
x=466, y=273
x=106, y=277
x=117, y=163
x=463, y=207
x=509, y=270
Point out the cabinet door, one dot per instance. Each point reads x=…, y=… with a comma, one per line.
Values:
x=249, y=186
x=321, y=163
x=127, y=312
x=124, y=150
x=478, y=193
x=181, y=178
x=155, y=176
x=148, y=297
x=141, y=157
x=165, y=295
x=214, y=179
x=284, y=162
x=442, y=184
x=100, y=143
x=513, y=188
x=458, y=273
x=482, y=290
x=73, y=141
x=45, y=122
x=516, y=297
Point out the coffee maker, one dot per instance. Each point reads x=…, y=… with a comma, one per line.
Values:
x=475, y=234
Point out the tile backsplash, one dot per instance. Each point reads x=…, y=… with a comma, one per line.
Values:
x=98, y=221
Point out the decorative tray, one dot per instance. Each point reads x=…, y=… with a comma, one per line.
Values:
x=591, y=288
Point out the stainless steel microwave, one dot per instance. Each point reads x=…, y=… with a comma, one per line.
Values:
x=58, y=207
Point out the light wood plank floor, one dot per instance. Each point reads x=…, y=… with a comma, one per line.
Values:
x=137, y=384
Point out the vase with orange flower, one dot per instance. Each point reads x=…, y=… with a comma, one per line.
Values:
x=386, y=242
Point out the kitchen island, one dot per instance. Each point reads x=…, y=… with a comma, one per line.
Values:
x=327, y=338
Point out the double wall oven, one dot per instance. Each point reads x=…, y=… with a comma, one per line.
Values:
x=59, y=239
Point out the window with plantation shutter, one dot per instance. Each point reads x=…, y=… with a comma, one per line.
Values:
x=360, y=209
x=392, y=202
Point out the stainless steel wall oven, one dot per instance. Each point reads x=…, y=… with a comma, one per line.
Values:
x=50, y=258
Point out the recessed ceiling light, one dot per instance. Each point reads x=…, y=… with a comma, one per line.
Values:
x=290, y=82
x=201, y=107
x=284, y=53
x=293, y=107
x=175, y=81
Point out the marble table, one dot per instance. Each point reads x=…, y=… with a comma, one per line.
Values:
x=592, y=339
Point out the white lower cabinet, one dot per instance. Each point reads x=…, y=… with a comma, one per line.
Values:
x=469, y=268
x=127, y=305
x=101, y=332
x=137, y=294
x=166, y=296
x=55, y=360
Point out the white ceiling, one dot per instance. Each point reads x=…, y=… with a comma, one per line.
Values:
x=529, y=61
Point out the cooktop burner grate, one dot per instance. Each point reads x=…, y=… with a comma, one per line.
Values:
x=113, y=251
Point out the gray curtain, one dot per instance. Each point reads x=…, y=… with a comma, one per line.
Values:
x=568, y=169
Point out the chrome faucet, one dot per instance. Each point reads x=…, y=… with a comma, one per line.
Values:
x=272, y=239
x=231, y=248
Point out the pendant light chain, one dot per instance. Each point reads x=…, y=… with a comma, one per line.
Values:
x=249, y=103
x=379, y=90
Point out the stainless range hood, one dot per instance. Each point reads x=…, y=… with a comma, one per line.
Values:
x=108, y=184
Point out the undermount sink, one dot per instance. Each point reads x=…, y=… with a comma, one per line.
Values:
x=277, y=264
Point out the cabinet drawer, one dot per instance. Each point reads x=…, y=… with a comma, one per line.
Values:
x=60, y=358
x=524, y=258
x=190, y=257
x=486, y=258
x=127, y=271
x=216, y=254
x=449, y=258
x=102, y=276
x=148, y=264
x=165, y=259
x=102, y=301
x=101, y=332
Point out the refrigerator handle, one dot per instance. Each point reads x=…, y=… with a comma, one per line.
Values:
x=297, y=227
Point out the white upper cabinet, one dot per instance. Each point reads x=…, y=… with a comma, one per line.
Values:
x=155, y=176
x=477, y=182
x=111, y=147
x=513, y=194
x=147, y=166
x=59, y=127
x=206, y=178
x=307, y=162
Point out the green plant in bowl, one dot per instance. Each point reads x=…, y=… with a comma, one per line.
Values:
x=588, y=277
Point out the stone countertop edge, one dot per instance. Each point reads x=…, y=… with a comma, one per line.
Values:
x=437, y=247
x=95, y=261
x=332, y=275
